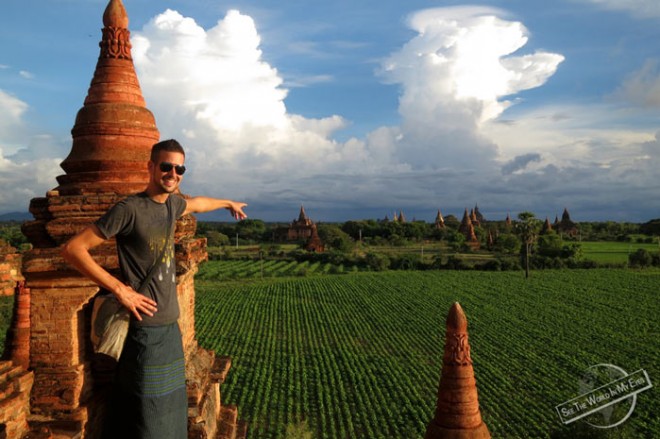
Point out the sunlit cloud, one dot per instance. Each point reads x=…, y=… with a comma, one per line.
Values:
x=463, y=136
x=212, y=89
x=454, y=74
x=25, y=163
x=12, y=127
x=13, y=108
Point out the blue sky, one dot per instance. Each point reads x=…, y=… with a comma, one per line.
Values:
x=360, y=109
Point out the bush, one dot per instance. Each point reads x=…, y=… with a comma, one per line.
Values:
x=655, y=259
x=587, y=263
x=546, y=262
x=510, y=264
x=377, y=261
x=492, y=265
x=640, y=259
x=405, y=262
x=456, y=263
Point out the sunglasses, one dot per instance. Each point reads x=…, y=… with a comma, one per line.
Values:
x=167, y=167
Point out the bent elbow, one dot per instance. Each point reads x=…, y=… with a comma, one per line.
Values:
x=65, y=251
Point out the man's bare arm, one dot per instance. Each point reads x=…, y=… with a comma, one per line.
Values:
x=208, y=204
x=77, y=253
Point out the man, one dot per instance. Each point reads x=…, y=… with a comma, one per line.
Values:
x=149, y=394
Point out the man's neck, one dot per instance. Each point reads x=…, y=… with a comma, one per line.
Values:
x=157, y=195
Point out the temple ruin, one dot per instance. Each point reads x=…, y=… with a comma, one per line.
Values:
x=467, y=229
x=112, y=138
x=566, y=225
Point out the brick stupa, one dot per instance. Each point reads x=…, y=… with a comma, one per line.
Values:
x=457, y=414
x=467, y=229
x=112, y=138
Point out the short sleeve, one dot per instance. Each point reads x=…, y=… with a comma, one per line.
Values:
x=116, y=220
x=179, y=205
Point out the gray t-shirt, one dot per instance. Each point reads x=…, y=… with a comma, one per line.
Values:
x=140, y=226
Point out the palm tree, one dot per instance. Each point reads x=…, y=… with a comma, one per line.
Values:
x=527, y=229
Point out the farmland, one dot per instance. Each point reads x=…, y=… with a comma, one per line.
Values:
x=359, y=355
x=253, y=261
x=612, y=252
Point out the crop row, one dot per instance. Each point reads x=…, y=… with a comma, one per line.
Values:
x=360, y=356
x=254, y=268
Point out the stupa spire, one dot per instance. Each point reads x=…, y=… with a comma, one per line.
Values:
x=302, y=216
x=115, y=15
x=114, y=130
x=457, y=414
x=439, y=221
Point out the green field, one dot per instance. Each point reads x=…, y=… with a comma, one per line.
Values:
x=255, y=268
x=359, y=356
x=610, y=252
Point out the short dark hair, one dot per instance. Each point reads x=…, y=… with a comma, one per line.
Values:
x=170, y=145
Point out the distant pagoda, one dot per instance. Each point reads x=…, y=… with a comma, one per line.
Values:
x=439, y=221
x=547, y=227
x=467, y=229
x=566, y=225
x=300, y=229
x=314, y=243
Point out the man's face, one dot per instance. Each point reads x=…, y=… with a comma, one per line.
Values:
x=166, y=180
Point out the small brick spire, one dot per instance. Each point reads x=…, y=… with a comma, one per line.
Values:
x=457, y=414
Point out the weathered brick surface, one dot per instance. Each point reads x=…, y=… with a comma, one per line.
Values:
x=15, y=386
x=228, y=422
x=58, y=321
x=10, y=269
x=58, y=388
x=457, y=413
x=17, y=342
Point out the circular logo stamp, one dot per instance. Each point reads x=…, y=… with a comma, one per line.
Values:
x=607, y=396
x=613, y=414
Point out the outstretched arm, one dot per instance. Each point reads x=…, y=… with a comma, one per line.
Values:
x=207, y=204
x=77, y=253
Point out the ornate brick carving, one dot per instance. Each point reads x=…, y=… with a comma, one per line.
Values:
x=457, y=414
x=116, y=43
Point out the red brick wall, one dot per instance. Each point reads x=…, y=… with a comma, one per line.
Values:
x=10, y=270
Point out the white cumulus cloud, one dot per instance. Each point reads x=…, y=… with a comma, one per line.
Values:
x=454, y=75
x=26, y=167
x=460, y=139
x=213, y=89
